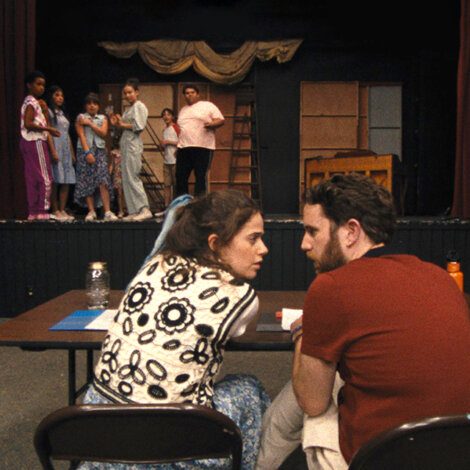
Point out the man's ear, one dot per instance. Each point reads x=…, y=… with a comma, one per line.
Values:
x=353, y=232
x=213, y=242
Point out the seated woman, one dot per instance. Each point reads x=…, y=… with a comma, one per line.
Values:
x=167, y=340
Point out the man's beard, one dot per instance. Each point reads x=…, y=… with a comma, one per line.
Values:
x=333, y=256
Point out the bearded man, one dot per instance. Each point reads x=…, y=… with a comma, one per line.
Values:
x=394, y=328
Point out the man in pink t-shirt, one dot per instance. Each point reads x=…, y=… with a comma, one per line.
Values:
x=198, y=121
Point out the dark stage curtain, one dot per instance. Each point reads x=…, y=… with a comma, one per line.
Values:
x=17, y=51
x=461, y=206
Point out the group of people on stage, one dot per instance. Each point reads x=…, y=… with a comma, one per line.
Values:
x=100, y=174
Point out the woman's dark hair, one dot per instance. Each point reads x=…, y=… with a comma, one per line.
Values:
x=92, y=98
x=168, y=110
x=133, y=82
x=222, y=212
x=355, y=196
x=52, y=106
x=31, y=76
x=189, y=85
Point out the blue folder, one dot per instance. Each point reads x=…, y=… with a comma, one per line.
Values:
x=77, y=320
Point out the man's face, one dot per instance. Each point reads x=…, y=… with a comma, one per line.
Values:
x=321, y=242
x=191, y=96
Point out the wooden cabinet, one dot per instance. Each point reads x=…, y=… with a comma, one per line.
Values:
x=349, y=117
x=377, y=167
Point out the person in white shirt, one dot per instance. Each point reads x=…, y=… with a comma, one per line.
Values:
x=169, y=143
x=198, y=121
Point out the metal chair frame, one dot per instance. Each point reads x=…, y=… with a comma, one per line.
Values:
x=436, y=443
x=134, y=433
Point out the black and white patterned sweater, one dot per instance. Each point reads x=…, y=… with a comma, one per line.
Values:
x=167, y=340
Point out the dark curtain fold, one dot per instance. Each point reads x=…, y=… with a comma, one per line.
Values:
x=461, y=205
x=17, y=51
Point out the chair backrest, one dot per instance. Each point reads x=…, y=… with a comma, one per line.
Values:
x=439, y=443
x=137, y=433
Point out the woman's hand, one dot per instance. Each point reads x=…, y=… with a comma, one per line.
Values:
x=44, y=107
x=85, y=121
x=90, y=158
x=53, y=131
x=116, y=120
x=113, y=118
x=55, y=157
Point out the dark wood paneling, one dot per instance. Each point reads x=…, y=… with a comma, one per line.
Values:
x=43, y=260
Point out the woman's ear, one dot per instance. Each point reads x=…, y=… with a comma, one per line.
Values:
x=212, y=241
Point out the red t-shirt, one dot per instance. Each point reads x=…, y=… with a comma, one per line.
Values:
x=399, y=330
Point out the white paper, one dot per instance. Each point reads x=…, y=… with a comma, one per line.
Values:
x=103, y=321
x=289, y=315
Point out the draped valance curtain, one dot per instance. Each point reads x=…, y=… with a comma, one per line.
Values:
x=175, y=56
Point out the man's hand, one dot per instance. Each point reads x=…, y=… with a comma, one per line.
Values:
x=296, y=329
x=214, y=124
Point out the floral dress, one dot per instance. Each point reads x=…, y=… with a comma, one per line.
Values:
x=63, y=170
x=166, y=345
x=90, y=177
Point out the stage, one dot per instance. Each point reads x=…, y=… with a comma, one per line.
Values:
x=41, y=260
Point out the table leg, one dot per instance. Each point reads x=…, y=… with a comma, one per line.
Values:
x=72, y=372
x=89, y=366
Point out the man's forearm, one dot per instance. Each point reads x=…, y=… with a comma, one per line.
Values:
x=215, y=123
x=312, y=380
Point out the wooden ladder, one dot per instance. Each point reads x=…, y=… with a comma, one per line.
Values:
x=245, y=159
x=153, y=186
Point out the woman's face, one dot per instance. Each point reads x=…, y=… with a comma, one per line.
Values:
x=58, y=98
x=130, y=94
x=92, y=107
x=245, y=252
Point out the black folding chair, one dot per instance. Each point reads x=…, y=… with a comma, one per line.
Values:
x=137, y=434
x=439, y=443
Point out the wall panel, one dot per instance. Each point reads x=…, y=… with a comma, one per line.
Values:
x=43, y=260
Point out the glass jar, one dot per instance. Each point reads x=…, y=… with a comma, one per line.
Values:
x=97, y=285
